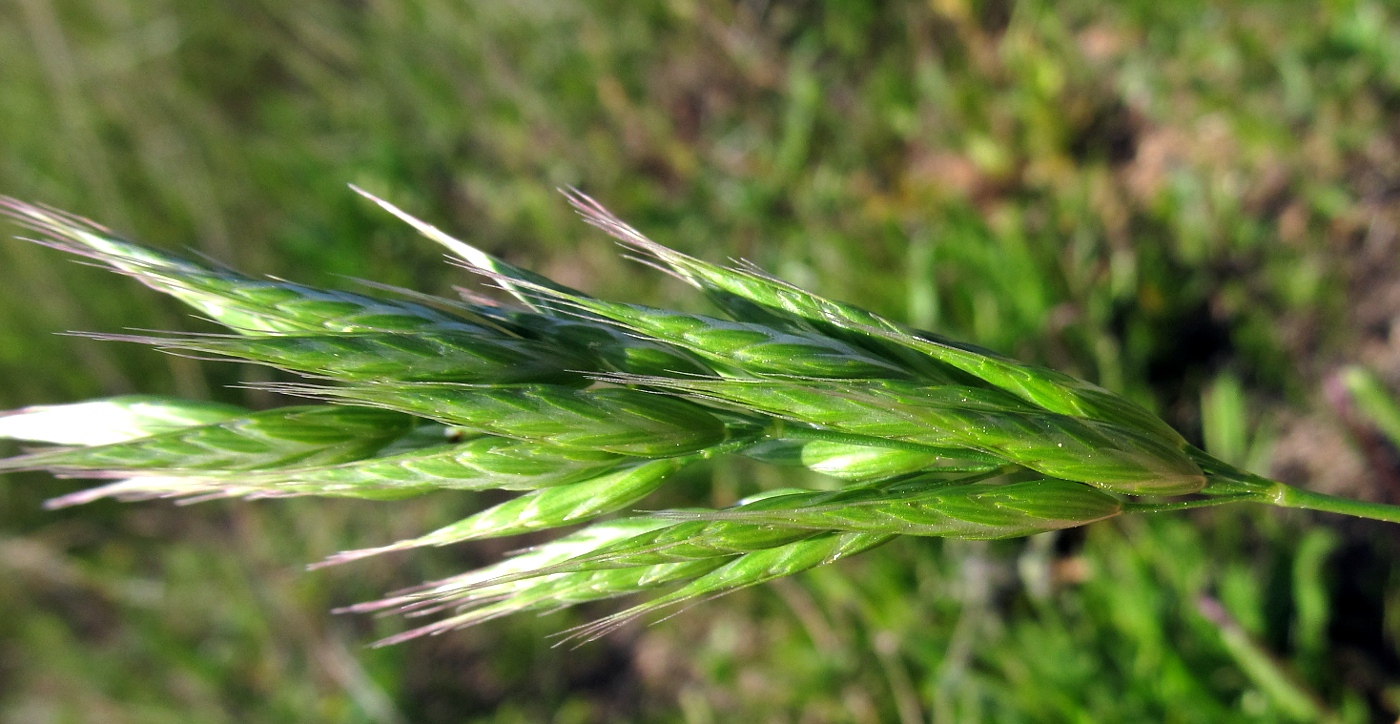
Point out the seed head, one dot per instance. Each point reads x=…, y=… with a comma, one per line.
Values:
x=587, y=406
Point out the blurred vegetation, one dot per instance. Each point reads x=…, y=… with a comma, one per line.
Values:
x=1193, y=203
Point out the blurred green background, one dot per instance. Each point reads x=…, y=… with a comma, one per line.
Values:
x=1192, y=203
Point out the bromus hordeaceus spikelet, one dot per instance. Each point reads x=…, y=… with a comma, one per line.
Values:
x=586, y=406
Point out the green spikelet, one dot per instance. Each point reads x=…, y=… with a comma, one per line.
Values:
x=623, y=421
x=547, y=593
x=486, y=463
x=687, y=540
x=747, y=570
x=950, y=509
x=282, y=438
x=546, y=508
x=448, y=355
x=749, y=348
x=1049, y=389
x=241, y=303
x=573, y=545
x=1115, y=458
x=609, y=348
x=973, y=511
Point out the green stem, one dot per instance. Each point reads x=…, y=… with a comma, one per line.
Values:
x=1290, y=497
x=1283, y=496
x=1226, y=480
x=1229, y=484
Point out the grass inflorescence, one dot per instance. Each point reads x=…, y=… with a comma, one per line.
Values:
x=585, y=407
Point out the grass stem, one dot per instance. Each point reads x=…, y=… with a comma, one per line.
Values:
x=1288, y=496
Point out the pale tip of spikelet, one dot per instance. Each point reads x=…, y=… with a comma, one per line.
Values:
x=88, y=423
x=462, y=249
x=110, y=490
x=336, y=559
